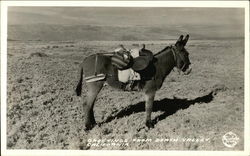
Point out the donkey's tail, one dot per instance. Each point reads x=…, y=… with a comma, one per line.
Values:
x=79, y=85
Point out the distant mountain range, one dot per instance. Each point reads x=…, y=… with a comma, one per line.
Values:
x=49, y=32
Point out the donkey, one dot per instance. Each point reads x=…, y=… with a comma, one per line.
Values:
x=164, y=61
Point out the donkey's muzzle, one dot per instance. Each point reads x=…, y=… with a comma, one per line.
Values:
x=188, y=70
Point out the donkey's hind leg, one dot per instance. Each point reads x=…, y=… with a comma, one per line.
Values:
x=93, y=90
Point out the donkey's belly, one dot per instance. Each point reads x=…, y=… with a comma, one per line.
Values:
x=115, y=83
x=129, y=86
x=112, y=78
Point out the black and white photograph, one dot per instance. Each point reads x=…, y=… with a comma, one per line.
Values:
x=154, y=78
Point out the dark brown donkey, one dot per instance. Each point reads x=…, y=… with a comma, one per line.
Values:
x=163, y=63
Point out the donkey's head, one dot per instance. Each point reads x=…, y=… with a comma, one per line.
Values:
x=181, y=55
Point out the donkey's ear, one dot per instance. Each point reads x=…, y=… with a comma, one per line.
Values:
x=143, y=46
x=185, y=40
x=180, y=39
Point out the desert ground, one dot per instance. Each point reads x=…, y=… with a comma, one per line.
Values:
x=192, y=112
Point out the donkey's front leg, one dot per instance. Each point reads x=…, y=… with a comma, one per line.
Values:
x=148, y=107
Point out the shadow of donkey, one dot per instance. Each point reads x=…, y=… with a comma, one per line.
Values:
x=168, y=106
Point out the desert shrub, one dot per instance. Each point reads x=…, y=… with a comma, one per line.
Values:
x=19, y=80
x=38, y=54
x=219, y=88
x=55, y=46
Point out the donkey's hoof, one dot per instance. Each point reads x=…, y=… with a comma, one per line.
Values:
x=89, y=127
x=149, y=124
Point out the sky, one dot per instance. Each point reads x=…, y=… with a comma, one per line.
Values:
x=118, y=16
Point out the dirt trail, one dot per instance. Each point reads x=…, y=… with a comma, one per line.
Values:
x=44, y=113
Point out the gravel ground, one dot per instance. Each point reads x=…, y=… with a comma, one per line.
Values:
x=192, y=112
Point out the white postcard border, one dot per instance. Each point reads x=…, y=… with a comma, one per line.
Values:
x=222, y=4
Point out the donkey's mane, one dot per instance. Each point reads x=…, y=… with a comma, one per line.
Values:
x=162, y=51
